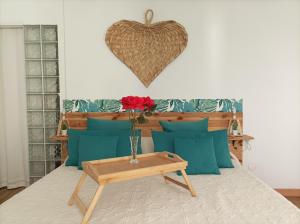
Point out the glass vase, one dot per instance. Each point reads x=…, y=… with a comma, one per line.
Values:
x=134, y=146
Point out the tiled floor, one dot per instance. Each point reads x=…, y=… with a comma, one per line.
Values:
x=5, y=194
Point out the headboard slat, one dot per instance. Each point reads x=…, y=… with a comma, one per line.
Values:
x=217, y=120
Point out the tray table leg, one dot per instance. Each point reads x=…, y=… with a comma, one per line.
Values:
x=188, y=183
x=77, y=188
x=92, y=204
x=164, y=176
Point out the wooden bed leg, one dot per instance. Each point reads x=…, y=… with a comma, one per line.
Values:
x=92, y=204
x=188, y=183
x=77, y=188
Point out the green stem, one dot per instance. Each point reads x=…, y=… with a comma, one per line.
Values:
x=132, y=118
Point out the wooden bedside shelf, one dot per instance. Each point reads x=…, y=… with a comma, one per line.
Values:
x=59, y=138
x=236, y=144
x=63, y=139
x=240, y=138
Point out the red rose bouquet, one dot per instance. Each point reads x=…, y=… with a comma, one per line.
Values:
x=139, y=108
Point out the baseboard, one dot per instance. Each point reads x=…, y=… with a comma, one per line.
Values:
x=289, y=192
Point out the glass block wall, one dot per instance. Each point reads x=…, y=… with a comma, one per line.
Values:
x=43, y=104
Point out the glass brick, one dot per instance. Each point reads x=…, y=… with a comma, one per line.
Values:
x=36, y=152
x=41, y=43
x=35, y=119
x=51, y=118
x=51, y=68
x=50, y=166
x=51, y=85
x=37, y=168
x=50, y=51
x=34, y=102
x=51, y=102
x=49, y=33
x=34, y=179
x=34, y=85
x=33, y=51
x=53, y=152
x=32, y=33
x=49, y=132
x=36, y=135
x=33, y=68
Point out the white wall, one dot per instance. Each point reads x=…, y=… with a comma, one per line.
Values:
x=246, y=49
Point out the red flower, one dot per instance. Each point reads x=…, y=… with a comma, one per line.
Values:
x=127, y=102
x=137, y=103
x=148, y=102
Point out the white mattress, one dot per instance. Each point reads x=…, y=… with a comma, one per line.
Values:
x=236, y=196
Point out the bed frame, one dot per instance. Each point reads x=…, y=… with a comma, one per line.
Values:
x=217, y=120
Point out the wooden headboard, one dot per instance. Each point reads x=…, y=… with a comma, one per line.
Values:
x=217, y=120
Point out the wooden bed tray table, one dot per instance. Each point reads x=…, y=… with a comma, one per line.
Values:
x=119, y=169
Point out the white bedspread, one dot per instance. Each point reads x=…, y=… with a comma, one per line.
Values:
x=235, y=197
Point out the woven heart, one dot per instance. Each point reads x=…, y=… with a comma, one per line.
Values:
x=146, y=48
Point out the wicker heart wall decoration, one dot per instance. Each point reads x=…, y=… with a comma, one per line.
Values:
x=146, y=48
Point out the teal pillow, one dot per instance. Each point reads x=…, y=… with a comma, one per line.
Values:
x=199, y=153
x=73, y=139
x=96, y=147
x=96, y=124
x=164, y=141
x=123, y=147
x=200, y=126
x=221, y=148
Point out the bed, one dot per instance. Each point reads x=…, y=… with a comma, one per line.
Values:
x=235, y=196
